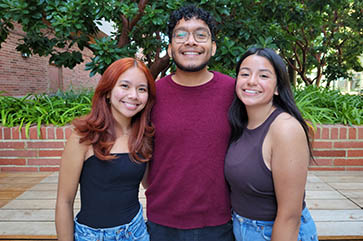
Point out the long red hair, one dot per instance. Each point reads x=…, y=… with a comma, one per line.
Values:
x=98, y=127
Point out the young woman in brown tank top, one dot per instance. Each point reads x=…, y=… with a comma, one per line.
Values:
x=267, y=161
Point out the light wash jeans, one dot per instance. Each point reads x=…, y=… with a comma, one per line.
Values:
x=246, y=229
x=135, y=230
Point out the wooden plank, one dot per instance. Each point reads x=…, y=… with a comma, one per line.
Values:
x=25, y=174
x=358, y=201
x=323, y=195
x=340, y=228
x=352, y=193
x=347, y=185
x=51, y=179
x=9, y=195
x=27, y=228
x=335, y=173
x=44, y=187
x=28, y=215
x=315, y=186
x=342, y=179
x=27, y=237
x=313, y=179
x=4, y=202
x=34, y=204
x=341, y=238
x=38, y=195
x=331, y=204
x=33, y=180
x=15, y=186
x=337, y=215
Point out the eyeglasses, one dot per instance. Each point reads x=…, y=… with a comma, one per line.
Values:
x=200, y=36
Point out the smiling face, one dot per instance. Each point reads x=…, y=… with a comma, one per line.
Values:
x=191, y=56
x=129, y=95
x=256, y=81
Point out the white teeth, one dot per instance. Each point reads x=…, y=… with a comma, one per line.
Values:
x=190, y=53
x=251, y=91
x=130, y=104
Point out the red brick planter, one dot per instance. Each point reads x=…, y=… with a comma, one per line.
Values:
x=336, y=147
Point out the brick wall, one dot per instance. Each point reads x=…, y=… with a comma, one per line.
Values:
x=18, y=153
x=20, y=76
x=336, y=147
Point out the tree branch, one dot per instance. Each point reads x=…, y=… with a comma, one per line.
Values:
x=142, y=5
x=124, y=37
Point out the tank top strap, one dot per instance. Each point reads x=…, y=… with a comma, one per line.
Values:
x=266, y=125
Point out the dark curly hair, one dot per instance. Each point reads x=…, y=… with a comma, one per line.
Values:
x=188, y=12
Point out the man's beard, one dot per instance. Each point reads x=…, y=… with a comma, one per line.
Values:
x=190, y=68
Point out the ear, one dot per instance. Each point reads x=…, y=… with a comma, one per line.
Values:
x=169, y=51
x=276, y=92
x=214, y=48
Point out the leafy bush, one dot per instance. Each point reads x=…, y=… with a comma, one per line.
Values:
x=323, y=106
x=58, y=109
x=318, y=105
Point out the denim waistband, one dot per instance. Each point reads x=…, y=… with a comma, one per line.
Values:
x=305, y=217
x=251, y=221
x=129, y=227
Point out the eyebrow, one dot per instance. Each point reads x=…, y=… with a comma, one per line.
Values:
x=129, y=82
x=184, y=29
x=261, y=70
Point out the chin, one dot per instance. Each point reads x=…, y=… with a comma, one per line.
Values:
x=191, y=68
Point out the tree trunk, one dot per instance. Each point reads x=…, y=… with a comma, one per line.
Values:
x=292, y=72
x=159, y=66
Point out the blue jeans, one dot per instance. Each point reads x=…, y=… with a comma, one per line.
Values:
x=215, y=233
x=246, y=229
x=135, y=230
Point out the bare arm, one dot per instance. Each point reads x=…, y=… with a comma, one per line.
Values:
x=69, y=173
x=289, y=165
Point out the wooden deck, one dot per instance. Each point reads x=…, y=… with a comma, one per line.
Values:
x=27, y=202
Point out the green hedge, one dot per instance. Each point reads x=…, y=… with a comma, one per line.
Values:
x=318, y=105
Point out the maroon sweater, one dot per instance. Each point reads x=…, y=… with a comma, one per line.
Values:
x=187, y=188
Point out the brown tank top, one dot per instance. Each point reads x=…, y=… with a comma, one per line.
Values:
x=251, y=182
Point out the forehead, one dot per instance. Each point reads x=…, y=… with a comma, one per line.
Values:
x=133, y=75
x=191, y=24
x=258, y=62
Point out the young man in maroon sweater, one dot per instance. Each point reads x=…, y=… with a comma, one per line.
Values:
x=187, y=197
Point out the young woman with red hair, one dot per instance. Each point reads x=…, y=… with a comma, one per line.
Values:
x=107, y=155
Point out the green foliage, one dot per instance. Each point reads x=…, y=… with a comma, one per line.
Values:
x=316, y=35
x=324, y=106
x=318, y=105
x=58, y=109
x=106, y=52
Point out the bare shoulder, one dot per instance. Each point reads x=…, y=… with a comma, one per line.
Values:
x=74, y=145
x=286, y=127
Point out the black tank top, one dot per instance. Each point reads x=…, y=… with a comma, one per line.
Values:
x=109, y=191
x=251, y=182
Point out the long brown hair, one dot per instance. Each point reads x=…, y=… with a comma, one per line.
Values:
x=98, y=127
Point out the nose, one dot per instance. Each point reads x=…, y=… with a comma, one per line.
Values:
x=252, y=80
x=133, y=93
x=190, y=40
